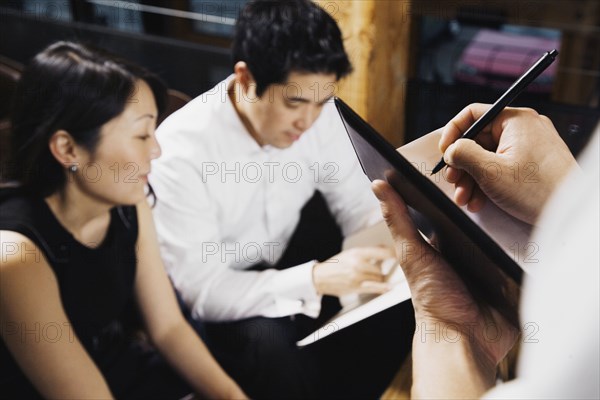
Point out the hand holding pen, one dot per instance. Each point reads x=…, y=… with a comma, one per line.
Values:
x=516, y=162
x=520, y=84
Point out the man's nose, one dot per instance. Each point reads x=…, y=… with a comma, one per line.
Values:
x=305, y=119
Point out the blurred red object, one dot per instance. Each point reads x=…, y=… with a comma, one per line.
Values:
x=495, y=59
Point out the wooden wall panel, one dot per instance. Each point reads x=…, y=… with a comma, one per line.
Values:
x=377, y=38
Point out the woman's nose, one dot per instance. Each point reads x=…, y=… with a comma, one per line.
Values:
x=155, y=151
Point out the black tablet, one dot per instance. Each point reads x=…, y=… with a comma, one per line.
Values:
x=491, y=274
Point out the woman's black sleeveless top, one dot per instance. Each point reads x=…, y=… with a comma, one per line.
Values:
x=95, y=282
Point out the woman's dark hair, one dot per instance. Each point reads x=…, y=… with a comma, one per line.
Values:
x=71, y=87
x=275, y=38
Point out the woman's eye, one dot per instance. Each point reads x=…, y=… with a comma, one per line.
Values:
x=144, y=137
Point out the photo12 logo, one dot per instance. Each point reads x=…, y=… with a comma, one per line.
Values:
x=236, y=252
x=271, y=171
x=37, y=332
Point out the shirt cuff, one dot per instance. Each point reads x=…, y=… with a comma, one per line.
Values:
x=301, y=290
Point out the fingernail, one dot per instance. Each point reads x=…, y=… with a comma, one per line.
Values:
x=376, y=186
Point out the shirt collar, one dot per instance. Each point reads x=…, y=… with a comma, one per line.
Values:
x=235, y=131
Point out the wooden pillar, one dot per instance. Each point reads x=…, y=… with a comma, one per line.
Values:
x=579, y=60
x=377, y=38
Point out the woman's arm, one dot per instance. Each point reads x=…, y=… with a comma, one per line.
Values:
x=167, y=328
x=36, y=329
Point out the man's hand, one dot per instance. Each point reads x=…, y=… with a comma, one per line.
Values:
x=459, y=342
x=352, y=271
x=517, y=161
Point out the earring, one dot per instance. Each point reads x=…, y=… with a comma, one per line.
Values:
x=73, y=168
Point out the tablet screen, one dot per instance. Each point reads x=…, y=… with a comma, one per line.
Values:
x=489, y=272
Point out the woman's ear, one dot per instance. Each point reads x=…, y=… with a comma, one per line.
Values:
x=64, y=149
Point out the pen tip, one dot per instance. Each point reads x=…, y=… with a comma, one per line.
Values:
x=441, y=164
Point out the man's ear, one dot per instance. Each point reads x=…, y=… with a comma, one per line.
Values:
x=64, y=149
x=243, y=76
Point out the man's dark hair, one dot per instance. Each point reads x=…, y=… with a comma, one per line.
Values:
x=275, y=38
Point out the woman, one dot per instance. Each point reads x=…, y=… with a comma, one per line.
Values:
x=79, y=250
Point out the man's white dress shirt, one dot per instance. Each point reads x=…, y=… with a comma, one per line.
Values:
x=225, y=204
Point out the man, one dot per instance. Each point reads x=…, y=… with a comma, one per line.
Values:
x=560, y=300
x=239, y=164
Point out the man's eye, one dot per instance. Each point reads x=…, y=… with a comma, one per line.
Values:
x=144, y=137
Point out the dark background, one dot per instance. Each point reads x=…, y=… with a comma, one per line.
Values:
x=193, y=55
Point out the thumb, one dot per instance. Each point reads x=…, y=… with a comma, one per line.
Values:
x=469, y=156
x=395, y=213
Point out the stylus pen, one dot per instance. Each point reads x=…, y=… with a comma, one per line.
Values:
x=507, y=98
